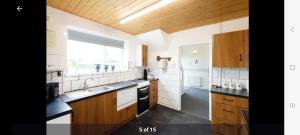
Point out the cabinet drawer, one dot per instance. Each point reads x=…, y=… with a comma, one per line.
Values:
x=230, y=100
x=225, y=113
x=225, y=129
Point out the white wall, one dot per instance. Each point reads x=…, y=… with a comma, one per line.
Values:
x=197, y=35
x=194, y=70
x=59, y=23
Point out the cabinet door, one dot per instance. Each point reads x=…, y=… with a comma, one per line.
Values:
x=153, y=94
x=144, y=55
x=246, y=48
x=233, y=49
x=217, y=50
x=105, y=113
x=127, y=114
x=82, y=117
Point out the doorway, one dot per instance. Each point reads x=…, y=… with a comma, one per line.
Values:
x=194, y=67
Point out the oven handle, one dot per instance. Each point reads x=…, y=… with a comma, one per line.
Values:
x=143, y=88
x=143, y=98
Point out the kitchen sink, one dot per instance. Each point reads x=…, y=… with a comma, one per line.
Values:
x=97, y=89
x=78, y=94
x=87, y=92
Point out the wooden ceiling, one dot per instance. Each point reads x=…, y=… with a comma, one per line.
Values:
x=177, y=16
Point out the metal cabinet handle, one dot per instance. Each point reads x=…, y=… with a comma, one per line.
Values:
x=143, y=98
x=227, y=111
x=240, y=57
x=143, y=89
x=73, y=116
x=228, y=125
x=227, y=99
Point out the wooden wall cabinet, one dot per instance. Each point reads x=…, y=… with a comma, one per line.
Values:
x=231, y=49
x=226, y=115
x=153, y=93
x=142, y=56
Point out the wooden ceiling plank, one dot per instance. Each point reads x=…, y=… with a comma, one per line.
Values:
x=112, y=8
x=113, y=15
x=179, y=15
x=64, y=4
x=89, y=5
x=81, y=4
x=113, y=11
x=97, y=10
x=71, y=5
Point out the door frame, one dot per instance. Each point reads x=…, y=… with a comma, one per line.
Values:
x=209, y=71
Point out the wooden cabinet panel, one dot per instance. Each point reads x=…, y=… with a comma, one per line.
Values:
x=226, y=115
x=127, y=114
x=231, y=49
x=82, y=117
x=230, y=100
x=105, y=111
x=226, y=112
x=144, y=55
x=96, y=115
x=153, y=93
x=217, y=51
x=246, y=48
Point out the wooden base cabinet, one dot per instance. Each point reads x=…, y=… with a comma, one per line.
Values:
x=153, y=93
x=226, y=116
x=95, y=116
x=127, y=114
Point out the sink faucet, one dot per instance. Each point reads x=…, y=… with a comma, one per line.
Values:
x=85, y=85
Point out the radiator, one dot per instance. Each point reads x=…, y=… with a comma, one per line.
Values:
x=194, y=81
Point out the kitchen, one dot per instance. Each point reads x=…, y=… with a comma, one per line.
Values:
x=132, y=73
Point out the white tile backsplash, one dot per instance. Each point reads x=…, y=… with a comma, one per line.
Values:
x=66, y=86
x=244, y=74
x=235, y=74
x=93, y=82
x=78, y=84
x=231, y=75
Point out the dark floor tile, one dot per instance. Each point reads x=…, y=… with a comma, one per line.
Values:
x=195, y=101
x=166, y=121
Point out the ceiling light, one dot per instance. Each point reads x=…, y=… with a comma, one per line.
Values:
x=195, y=52
x=146, y=10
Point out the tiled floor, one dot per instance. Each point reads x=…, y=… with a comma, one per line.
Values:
x=195, y=101
x=166, y=121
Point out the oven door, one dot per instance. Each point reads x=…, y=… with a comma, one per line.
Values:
x=143, y=104
x=143, y=92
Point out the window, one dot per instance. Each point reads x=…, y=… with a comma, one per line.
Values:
x=94, y=54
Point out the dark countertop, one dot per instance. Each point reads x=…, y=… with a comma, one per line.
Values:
x=245, y=117
x=154, y=79
x=60, y=107
x=236, y=93
x=57, y=108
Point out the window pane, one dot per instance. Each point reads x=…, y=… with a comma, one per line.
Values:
x=83, y=57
